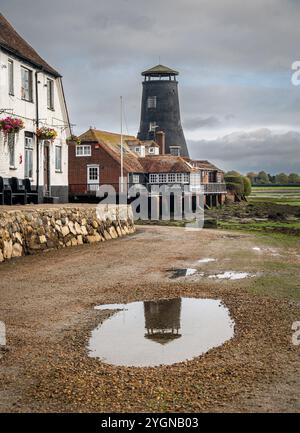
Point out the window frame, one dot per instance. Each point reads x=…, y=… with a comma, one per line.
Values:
x=11, y=150
x=151, y=102
x=28, y=161
x=50, y=94
x=153, y=178
x=83, y=147
x=91, y=181
x=11, y=79
x=171, y=177
x=30, y=84
x=162, y=177
x=136, y=178
x=175, y=150
x=58, y=168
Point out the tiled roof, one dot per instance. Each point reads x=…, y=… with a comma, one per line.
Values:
x=12, y=42
x=165, y=164
x=150, y=143
x=160, y=70
x=111, y=143
x=206, y=165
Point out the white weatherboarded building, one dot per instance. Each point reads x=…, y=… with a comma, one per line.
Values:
x=31, y=90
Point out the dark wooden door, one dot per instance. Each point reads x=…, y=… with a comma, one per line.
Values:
x=46, y=170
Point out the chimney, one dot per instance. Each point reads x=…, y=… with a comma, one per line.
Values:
x=161, y=141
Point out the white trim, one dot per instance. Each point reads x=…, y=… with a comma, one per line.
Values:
x=93, y=181
x=86, y=150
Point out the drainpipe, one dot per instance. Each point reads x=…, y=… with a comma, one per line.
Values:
x=37, y=122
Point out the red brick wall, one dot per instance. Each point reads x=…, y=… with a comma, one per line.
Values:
x=109, y=168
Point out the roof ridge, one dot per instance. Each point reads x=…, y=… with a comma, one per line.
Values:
x=8, y=42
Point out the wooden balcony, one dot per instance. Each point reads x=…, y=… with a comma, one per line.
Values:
x=214, y=188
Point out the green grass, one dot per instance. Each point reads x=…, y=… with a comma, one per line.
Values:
x=279, y=285
x=289, y=195
x=275, y=187
x=288, y=228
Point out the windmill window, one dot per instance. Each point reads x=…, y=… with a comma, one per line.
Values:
x=151, y=102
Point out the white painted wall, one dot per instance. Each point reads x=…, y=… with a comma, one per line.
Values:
x=56, y=119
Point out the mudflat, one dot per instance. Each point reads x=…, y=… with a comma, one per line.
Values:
x=47, y=304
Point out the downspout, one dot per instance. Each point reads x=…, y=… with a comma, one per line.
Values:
x=37, y=122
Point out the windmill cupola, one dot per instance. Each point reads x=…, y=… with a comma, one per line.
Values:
x=160, y=111
x=160, y=72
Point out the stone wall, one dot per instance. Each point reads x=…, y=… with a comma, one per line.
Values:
x=30, y=231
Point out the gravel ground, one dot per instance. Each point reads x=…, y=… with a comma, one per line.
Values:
x=47, y=305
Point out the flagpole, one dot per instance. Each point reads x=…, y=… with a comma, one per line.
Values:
x=122, y=154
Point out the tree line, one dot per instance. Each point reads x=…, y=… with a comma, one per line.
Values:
x=263, y=178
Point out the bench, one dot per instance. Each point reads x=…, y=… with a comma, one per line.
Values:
x=1, y=191
x=17, y=193
x=31, y=195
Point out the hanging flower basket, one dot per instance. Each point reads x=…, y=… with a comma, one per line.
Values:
x=74, y=139
x=46, y=133
x=10, y=125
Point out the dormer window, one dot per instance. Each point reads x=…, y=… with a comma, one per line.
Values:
x=175, y=150
x=151, y=149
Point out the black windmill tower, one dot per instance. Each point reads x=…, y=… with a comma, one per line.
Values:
x=162, y=320
x=160, y=109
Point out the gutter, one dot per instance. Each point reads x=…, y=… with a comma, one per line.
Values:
x=32, y=63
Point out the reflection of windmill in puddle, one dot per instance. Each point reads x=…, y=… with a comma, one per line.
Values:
x=162, y=320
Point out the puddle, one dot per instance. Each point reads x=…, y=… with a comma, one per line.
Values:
x=231, y=275
x=164, y=332
x=271, y=251
x=206, y=260
x=179, y=273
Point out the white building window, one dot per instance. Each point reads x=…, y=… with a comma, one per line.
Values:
x=28, y=162
x=152, y=126
x=50, y=94
x=137, y=149
x=171, y=178
x=93, y=177
x=153, y=178
x=11, y=77
x=151, y=102
x=26, y=84
x=58, y=161
x=11, y=149
x=83, y=150
x=162, y=178
x=186, y=178
x=151, y=149
x=135, y=178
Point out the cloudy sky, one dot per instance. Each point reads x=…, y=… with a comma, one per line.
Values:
x=238, y=105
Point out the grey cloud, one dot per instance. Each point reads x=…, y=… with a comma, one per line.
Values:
x=251, y=151
x=198, y=122
x=233, y=57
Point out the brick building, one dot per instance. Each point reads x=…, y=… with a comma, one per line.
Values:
x=97, y=161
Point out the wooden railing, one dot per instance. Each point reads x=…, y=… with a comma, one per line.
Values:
x=214, y=188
